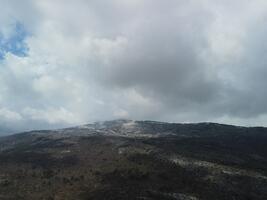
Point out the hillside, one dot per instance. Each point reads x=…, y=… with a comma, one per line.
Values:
x=126, y=159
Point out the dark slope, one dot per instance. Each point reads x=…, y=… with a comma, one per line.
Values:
x=135, y=160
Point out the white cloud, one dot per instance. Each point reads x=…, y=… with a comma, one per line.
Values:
x=9, y=116
x=97, y=60
x=50, y=115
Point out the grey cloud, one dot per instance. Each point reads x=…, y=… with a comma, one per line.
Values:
x=172, y=61
x=163, y=60
x=249, y=97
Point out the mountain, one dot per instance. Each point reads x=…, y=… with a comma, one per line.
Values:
x=124, y=159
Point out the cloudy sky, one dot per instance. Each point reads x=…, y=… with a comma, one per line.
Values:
x=64, y=63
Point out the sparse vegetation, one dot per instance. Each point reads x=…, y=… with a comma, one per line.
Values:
x=205, y=161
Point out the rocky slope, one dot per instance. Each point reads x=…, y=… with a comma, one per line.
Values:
x=126, y=159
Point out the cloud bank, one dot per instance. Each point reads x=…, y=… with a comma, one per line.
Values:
x=71, y=62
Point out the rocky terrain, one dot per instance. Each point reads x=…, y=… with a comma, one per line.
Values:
x=144, y=160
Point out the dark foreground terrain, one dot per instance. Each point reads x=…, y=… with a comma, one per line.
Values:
x=127, y=160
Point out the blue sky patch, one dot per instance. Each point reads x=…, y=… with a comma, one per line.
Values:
x=14, y=44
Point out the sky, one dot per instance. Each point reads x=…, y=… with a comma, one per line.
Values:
x=70, y=62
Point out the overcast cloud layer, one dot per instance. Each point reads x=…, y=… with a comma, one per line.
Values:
x=65, y=63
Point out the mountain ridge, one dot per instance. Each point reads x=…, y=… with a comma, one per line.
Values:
x=121, y=121
x=127, y=159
